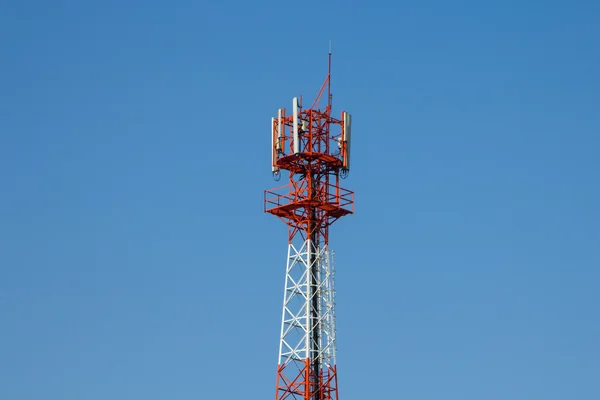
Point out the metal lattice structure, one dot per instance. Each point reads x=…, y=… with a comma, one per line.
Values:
x=314, y=148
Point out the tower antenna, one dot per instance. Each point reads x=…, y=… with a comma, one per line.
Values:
x=329, y=100
x=314, y=148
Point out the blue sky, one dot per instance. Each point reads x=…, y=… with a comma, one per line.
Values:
x=135, y=257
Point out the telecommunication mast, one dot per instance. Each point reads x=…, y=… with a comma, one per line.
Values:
x=314, y=147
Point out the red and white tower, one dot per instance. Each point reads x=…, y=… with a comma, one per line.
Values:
x=314, y=147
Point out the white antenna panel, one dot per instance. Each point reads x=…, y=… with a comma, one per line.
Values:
x=295, y=126
x=273, y=154
x=347, y=137
x=279, y=129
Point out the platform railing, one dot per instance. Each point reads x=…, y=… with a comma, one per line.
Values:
x=290, y=194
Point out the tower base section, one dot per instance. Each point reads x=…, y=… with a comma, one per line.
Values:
x=303, y=386
x=307, y=367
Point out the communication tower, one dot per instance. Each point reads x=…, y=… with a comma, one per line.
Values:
x=314, y=147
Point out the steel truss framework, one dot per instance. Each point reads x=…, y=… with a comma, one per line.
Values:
x=308, y=325
x=314, y=147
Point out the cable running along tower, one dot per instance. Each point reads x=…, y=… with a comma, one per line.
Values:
x=314, y=147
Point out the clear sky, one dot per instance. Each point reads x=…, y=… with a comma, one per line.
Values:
x=135, y=258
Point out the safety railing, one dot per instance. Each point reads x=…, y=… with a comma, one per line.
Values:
x=331, y=198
